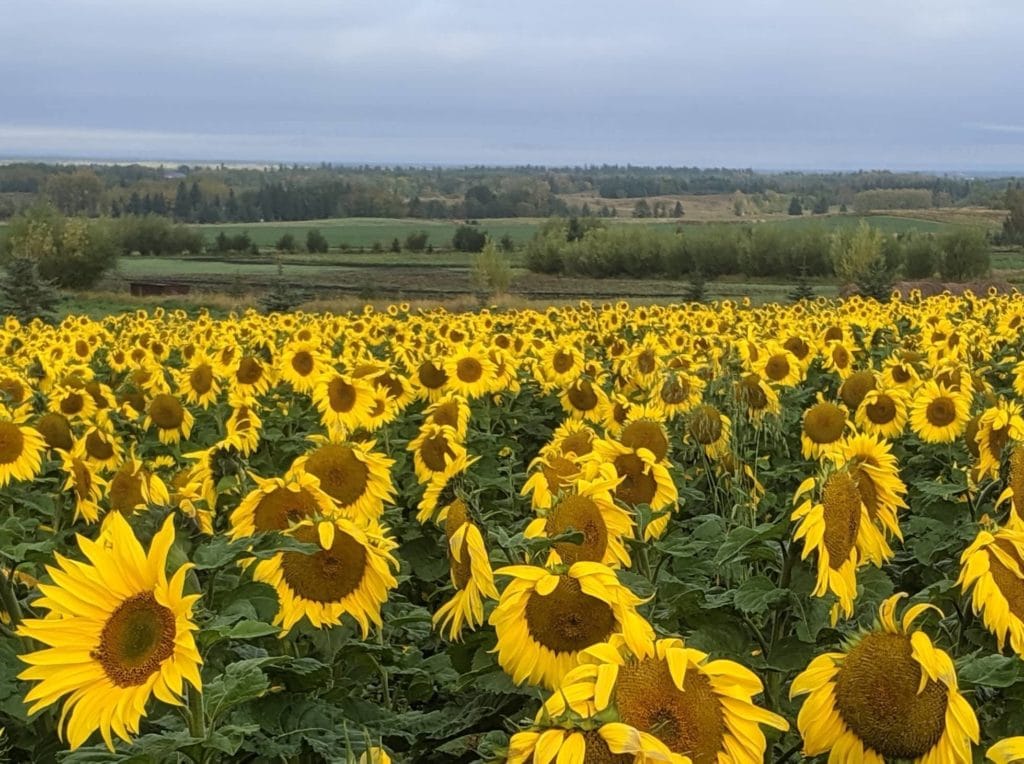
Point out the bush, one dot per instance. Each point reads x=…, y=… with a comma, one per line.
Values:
x=921, y=256
x=156, y=235
x=468, y=239
x=416, y=242
x=239, y=242
x=316, y=241
x=965, y=255
x=286, y=243
x=490, y=271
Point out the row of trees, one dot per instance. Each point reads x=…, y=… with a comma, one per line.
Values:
x=589, y=248
x=234, y=194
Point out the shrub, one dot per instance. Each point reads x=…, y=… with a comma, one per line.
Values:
x=416, y=242
x=965, y=254
x=491, y=273
x=467, y=238
x=316, y=241
x=286, y=243
x=921, y=256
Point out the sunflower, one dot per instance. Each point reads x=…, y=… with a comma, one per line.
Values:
x=353, y=474
x=117, y=633
x=430, y=379
x=840, y=529
x=300, y=364
x=134, y=487
x=588, y=508
x=757, y=396
x=21, y=449
x=437, y=453
x=883, y=411
x=396, y=388
x=88, y=487
x=609, y=742
x=642, y=480
x=890, y=694
x=188, y=495
x=450, y=410
x=996, y=427
x=823, y=427
x=645, y=430
x=677, y=394
x=243, y=428
x=344, y=402
x=838, y=357
x=56, y=431
x=856, y=386
x=583, y=399
x=938, y=415
x=470, y=371
x=876, y=473
x=559, y=364
x=470, y=573
x=1007, y=751
x=100, y=447
x=172, y=420
x=550, y=474
x=251, y=377
x=277, y=503
x=699, y=708
x=778, y=365
x=545, y=619
x=350, y=572
x=994, y=566
x=710, y=429
x=73, y=402
x=572, y=439
x=198, y=383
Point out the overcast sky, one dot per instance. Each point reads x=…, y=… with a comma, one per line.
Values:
x=903, y=84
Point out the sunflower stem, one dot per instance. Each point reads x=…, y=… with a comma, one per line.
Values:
x=196, y=717
x=8, y=600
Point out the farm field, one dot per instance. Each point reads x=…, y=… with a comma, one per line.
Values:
x=722, y=533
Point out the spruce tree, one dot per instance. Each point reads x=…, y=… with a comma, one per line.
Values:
x=696, y=290
x=24, y=294
x=801, y=287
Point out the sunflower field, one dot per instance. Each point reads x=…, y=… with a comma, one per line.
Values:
x=717, y=534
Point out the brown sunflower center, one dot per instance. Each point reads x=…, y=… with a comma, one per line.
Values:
x=562, y=362
x=201, y=378
x=328, y=575
x=135, y=640
x=841, y=499
x=881, y=410
x=868, y=491
x=568, y=620
x=578, y=513
x=647, y=362
x=431, y=376
x=901, y=375
x=446, y=414
x=166, y=412
x=280, y=507
x=436, y=452
x=126, y=490
x=1015, y=480
x=856, y=386
x=580, y=443
x=941, y=412
x=83, y=478
x=597, y=751
x=877, y=696
x=996, y=442
x=13, y=389
x=797, y=346
x=97, y=395
x=98, y=447
x=461, y=569
x=341, y=396
x=343, y=476
x=469, y=370
x=690, y=721
x=674, y=391
x=706, y=425
x=777, y=367
x=840, y=357
x=824, y=422
x=751, y=393
x=1010, y=586
x=12, y=442
x=302, y=363
x=638, y=484
x=582, y=396
x=644, y=433
x=249, y=371
x=72, y=403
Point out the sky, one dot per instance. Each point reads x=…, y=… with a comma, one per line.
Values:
x=768, y=84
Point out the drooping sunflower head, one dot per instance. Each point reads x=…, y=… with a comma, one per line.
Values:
x=133, y=487
x=856, y=386
x=710, y=429
x=608, y=743
x=170, y=418
x=278, y=503
x=438, y=452
x=994, y=566
x=890, y=694
x=470, y=570
x=757, y=396
x=583, y=398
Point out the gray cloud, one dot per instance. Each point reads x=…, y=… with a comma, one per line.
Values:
x=766, y=83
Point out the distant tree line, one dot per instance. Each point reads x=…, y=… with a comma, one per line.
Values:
x=234, y=194
x=586, y=247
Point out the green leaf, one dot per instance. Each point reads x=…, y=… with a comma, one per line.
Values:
x=758, y=594
x=989, y=671
x=252, y=630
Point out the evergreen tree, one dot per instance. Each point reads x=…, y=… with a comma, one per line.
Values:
x=876, y=281
x=24, y=294
x=678, y=211
x=182, y=207
x=696, y=290
x=795, y=208
x=396, y=245
x=801, y=287
x=282, y=297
